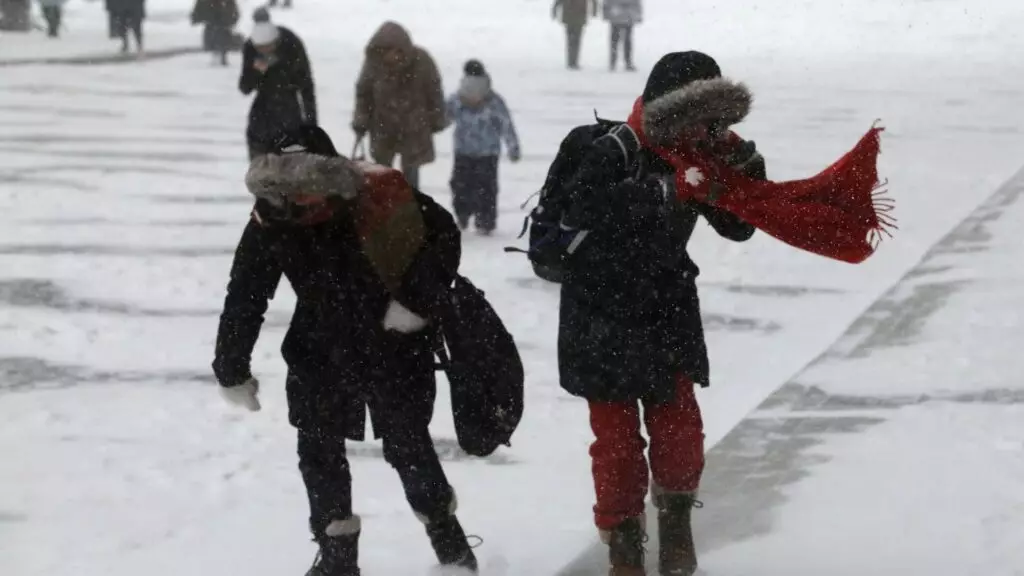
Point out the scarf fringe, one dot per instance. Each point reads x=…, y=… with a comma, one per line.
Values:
x=885, y=222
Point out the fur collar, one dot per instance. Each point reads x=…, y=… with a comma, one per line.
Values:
x=276, y=178
x=717, y=99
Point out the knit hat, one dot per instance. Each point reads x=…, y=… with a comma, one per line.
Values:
x=264, y=33
x=261, y=15
x=685, y=89
x=474, y=68
x=677, y=69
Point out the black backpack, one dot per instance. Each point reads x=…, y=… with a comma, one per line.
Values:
x=549, y=240
x=485, y=371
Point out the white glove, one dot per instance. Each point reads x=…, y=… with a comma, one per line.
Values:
x=401, y=319
x=244, y=395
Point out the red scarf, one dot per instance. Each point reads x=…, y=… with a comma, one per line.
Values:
x=839, y=213
x=387, y=218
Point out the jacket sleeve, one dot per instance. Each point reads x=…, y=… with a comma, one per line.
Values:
x=726, y=224
x=434, y=93
x=428, y=279
x=304, y=81
x=508, y=128
x=743, y=156
x=363, y=113
x=255, y=275
x=451, y=108
x=250, y=78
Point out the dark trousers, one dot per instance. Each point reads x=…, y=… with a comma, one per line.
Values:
x=325, y=471
x=573, y=39
x=622, y=33
x=53, y=16
x=125, y=22
x=474, y=186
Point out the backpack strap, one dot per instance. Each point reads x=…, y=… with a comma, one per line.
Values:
x=627, y=141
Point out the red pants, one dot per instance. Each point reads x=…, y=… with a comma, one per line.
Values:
x=619, y=468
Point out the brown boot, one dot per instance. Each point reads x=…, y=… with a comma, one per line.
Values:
x=626, y=547
x=677, y=556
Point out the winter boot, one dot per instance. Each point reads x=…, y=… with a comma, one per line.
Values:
x=339, y=550
x=449, y=540
x=626, y=547
x=677, y=555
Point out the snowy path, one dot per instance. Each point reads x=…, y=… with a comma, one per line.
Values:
x=901, y=449
x=121, y=201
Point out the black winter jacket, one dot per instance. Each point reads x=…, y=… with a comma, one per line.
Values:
x=285, y=95
x=340, y=358
x=630, y=323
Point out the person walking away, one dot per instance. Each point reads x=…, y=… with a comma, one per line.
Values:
x=399, y=101
x=630, y=332
x=218, y=18
x=127, y=17
x=574, y=18
x=622, y=16
x=276, y=67
x=370, y=276
x=482, y=121
x=53, y=12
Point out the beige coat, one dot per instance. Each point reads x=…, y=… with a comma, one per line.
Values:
x=399, y=98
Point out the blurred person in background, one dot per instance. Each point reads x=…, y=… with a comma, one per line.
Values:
x=482, y=121
x=53, y=12
x=574, y=18
x=622, y=15
x=127, y=16
x=276, y=67
x=399, y=101
x=219, y=18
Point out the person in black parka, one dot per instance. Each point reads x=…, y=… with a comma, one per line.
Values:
x=275, y=66
x=630, y=332
x=370, y=276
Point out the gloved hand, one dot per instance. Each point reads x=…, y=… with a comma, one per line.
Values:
x=244, y=395
x=401, y=319
x=514, y=156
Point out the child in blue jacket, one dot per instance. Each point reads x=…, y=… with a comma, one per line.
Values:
x=482, y=122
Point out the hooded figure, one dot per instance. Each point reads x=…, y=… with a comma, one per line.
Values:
x=370, y=260
x=275, y=66
x=630, y=330
x=399, y=101
x=482, y=121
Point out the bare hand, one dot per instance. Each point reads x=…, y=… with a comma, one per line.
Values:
x=260, y=65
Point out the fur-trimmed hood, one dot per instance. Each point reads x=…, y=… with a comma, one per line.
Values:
x=717, y=99
x=275, y=178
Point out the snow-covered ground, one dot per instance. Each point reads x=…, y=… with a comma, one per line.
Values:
x=121, y=200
